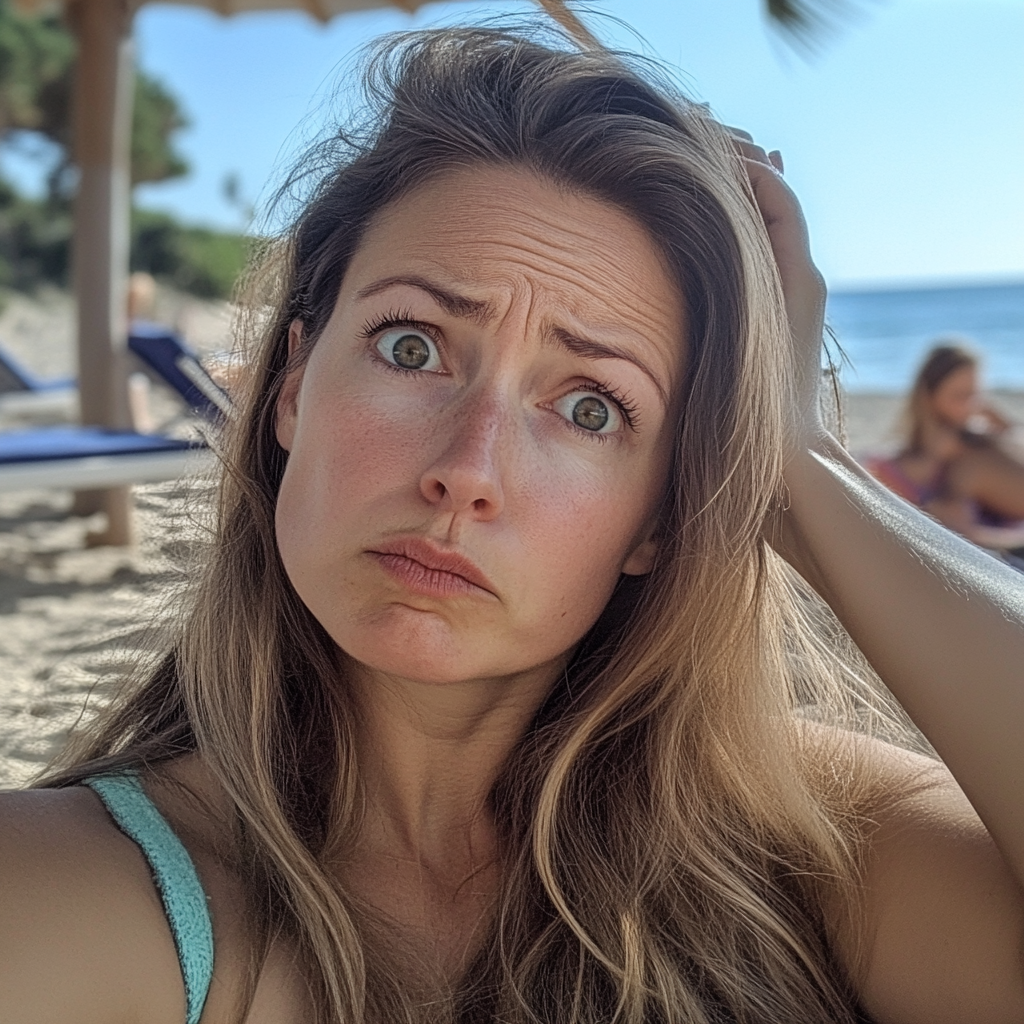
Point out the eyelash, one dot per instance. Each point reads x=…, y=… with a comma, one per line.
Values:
x=402, y=318
x=396, y=318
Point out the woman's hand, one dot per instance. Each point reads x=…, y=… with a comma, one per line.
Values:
x=943, y=625
x=803, y=287
x=995, y=423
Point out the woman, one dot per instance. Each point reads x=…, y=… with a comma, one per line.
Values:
x=953, y=462
x=496, y=701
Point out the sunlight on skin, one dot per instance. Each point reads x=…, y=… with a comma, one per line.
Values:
x=521, y=301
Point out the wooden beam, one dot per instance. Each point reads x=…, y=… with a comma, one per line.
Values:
x=318, y=10
x=570, y=21
x=104, y=84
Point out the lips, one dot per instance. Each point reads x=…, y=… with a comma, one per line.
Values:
x=425, y=567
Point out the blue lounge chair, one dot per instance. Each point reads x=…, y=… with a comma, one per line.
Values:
x=163, y=352
x=16, y=378
x=160, y=351
x=93, y=458
x=84, y=458
x=22, y=392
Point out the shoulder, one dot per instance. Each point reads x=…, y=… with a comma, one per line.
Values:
x=941, y=916
x=203, y=817
x=82, y=931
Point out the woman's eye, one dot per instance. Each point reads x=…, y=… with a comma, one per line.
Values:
x=590, y=411
x=409, y=349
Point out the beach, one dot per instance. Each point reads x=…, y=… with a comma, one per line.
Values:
x=75, y=620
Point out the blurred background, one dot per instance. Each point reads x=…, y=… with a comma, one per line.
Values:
x=901, y=123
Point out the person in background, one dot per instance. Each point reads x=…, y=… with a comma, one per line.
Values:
x=141, y=296
x=957, y=461
x=141, y=300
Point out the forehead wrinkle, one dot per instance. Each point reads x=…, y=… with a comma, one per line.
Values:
x=609, y=280
x=539, y=255
x=488, y=312
x=643, y=326
x=548, y=237
x=612, y=292
x=537, y=297
x=552, y=240
x=542, y=247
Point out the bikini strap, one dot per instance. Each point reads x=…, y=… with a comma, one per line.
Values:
x=180, y=890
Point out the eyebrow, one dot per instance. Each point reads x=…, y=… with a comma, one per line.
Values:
x=590, y=349
x=483, y=312
x=454, y=305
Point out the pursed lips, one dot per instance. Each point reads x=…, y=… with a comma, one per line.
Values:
x=425, y=567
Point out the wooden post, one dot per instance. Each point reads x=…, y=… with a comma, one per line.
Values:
x=104, y=86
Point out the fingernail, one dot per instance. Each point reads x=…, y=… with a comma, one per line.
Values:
x=776, y=160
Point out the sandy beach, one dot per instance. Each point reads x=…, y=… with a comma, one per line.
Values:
x=74, y=620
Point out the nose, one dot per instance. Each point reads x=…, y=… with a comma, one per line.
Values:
x=466, y=478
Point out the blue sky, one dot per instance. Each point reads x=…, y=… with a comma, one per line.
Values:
x=904, y=135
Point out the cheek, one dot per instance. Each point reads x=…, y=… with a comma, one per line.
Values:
x=351, y=456
x=350, y=445
x=576, y=532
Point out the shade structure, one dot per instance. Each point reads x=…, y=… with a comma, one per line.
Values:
x=102, y=125
x=324, y=10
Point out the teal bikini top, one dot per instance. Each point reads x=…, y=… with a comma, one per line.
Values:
x=176, y=880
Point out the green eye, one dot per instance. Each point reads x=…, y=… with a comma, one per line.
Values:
x=409, y=350
x=590, y=413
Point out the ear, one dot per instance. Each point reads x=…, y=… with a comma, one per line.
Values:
x=640, y=560
x=287, y=410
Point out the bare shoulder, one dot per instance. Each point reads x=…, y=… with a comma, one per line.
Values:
x=82, y=932
x=942, y=915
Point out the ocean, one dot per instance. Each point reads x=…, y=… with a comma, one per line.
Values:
x=886, y=333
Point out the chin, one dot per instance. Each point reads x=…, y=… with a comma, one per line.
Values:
x=425, y=668
x=419, y=646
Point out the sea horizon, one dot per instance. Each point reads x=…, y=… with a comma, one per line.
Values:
x=886, y=331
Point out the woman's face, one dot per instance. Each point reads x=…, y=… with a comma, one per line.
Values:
x=479, y=440
x=955, y=400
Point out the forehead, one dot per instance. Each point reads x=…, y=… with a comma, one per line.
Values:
x=506, y=237
x=963, y=377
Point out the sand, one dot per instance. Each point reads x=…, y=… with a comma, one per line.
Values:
x=871, y=419
x=74, y=620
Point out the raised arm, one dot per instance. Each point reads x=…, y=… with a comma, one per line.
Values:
x=943, y=625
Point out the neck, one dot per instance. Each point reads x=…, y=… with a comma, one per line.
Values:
x=429, y=757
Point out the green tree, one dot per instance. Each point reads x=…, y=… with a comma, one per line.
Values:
x=36, y=55
x=37, y=66
x=197, y=260
x=156, y=117
x=37, y=58
x=35, y=241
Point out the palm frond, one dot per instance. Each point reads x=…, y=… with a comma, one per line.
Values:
x=805, y=22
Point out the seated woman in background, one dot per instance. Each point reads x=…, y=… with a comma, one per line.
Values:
x=499, y=697
x=955, y=462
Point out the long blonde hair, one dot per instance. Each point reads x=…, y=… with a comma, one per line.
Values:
x=668, y=844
